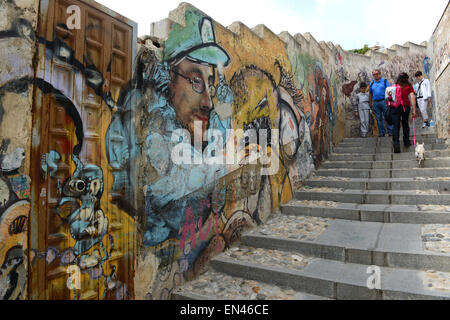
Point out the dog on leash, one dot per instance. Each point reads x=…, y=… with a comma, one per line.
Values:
x=420, y=153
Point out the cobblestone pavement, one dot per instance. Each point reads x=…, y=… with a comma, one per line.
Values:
x=224, y=287
x=432, y=179
x=434, y=208
x=415, y=168
x=324, y=189
x=311, y=203
x=320, y=178
x=267, y=257
x=439, y=281
x=436, y=238
x=293, y=227
x=428, y=192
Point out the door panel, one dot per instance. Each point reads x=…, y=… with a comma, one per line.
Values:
x=76, y=227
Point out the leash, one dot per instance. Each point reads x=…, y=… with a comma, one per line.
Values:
x=414, y=131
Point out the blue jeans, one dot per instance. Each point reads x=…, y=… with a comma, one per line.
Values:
x=379, y=108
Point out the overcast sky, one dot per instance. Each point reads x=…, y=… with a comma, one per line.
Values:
x=350, y=23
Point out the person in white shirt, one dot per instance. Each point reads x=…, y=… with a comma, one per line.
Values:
x=423, y=95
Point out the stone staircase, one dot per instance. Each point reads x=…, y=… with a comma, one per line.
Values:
x=365, y=206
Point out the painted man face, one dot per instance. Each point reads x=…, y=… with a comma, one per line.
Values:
x=190, y=93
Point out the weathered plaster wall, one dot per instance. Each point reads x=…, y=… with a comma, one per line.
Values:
x=18, y=20
x=437, y=68
x=185, y=213
x=78, y=235
x=194, y=212
x=294, y=84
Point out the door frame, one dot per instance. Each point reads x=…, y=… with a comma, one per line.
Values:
x=37, y=287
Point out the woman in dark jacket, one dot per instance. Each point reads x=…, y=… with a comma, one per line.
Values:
x=401, y=113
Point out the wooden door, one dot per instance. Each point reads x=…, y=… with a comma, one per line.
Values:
x=76, y=231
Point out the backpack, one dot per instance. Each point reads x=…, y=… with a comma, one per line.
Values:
x=418, y=90
x=397, y=99
x=371, y=84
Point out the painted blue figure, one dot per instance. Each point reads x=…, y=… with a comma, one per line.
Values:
x=180, y=98
x=187, y=76
x=427, y=64
x=120, y=149
x=88, y=223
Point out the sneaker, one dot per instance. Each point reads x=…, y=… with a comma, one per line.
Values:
x=408, y=144
x=391, y=135
x=382, y=135
x=397, y=149
x=425, y=125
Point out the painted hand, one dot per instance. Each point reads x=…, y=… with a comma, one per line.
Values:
x=92, y=231
x=102, y=221
x=225, y=99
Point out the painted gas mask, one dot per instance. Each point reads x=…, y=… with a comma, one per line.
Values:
x=88, y=223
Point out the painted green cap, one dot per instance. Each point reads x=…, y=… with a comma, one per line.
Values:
x=197, y=41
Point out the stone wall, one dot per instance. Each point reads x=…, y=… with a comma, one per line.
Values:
x=293, y=85
x=280, y=104
x=437, y=69
x=18, y=20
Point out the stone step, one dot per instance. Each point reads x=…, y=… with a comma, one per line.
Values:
x=409, y=246
x=385, y=173
x=438, y=184
x=396, y=164
x=407, y=214
x=387, y=156
x=402, y=197
x=387, y=149
x=338, y=280
x=388, y=143
x=424, y=136
x=214, y=285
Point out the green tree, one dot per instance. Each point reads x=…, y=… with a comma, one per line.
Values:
x=363, y=50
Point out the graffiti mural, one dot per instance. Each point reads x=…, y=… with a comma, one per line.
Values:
x=15, y=186
x=14, y=213
x=319, y=104
x=109, y=124
x=442, y=57
x=339, y=61
x=79, y=208
x=75, y=184
x=427, y=65
x=195, y=211
x=183, y=203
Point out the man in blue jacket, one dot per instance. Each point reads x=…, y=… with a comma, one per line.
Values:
x=377, y=90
